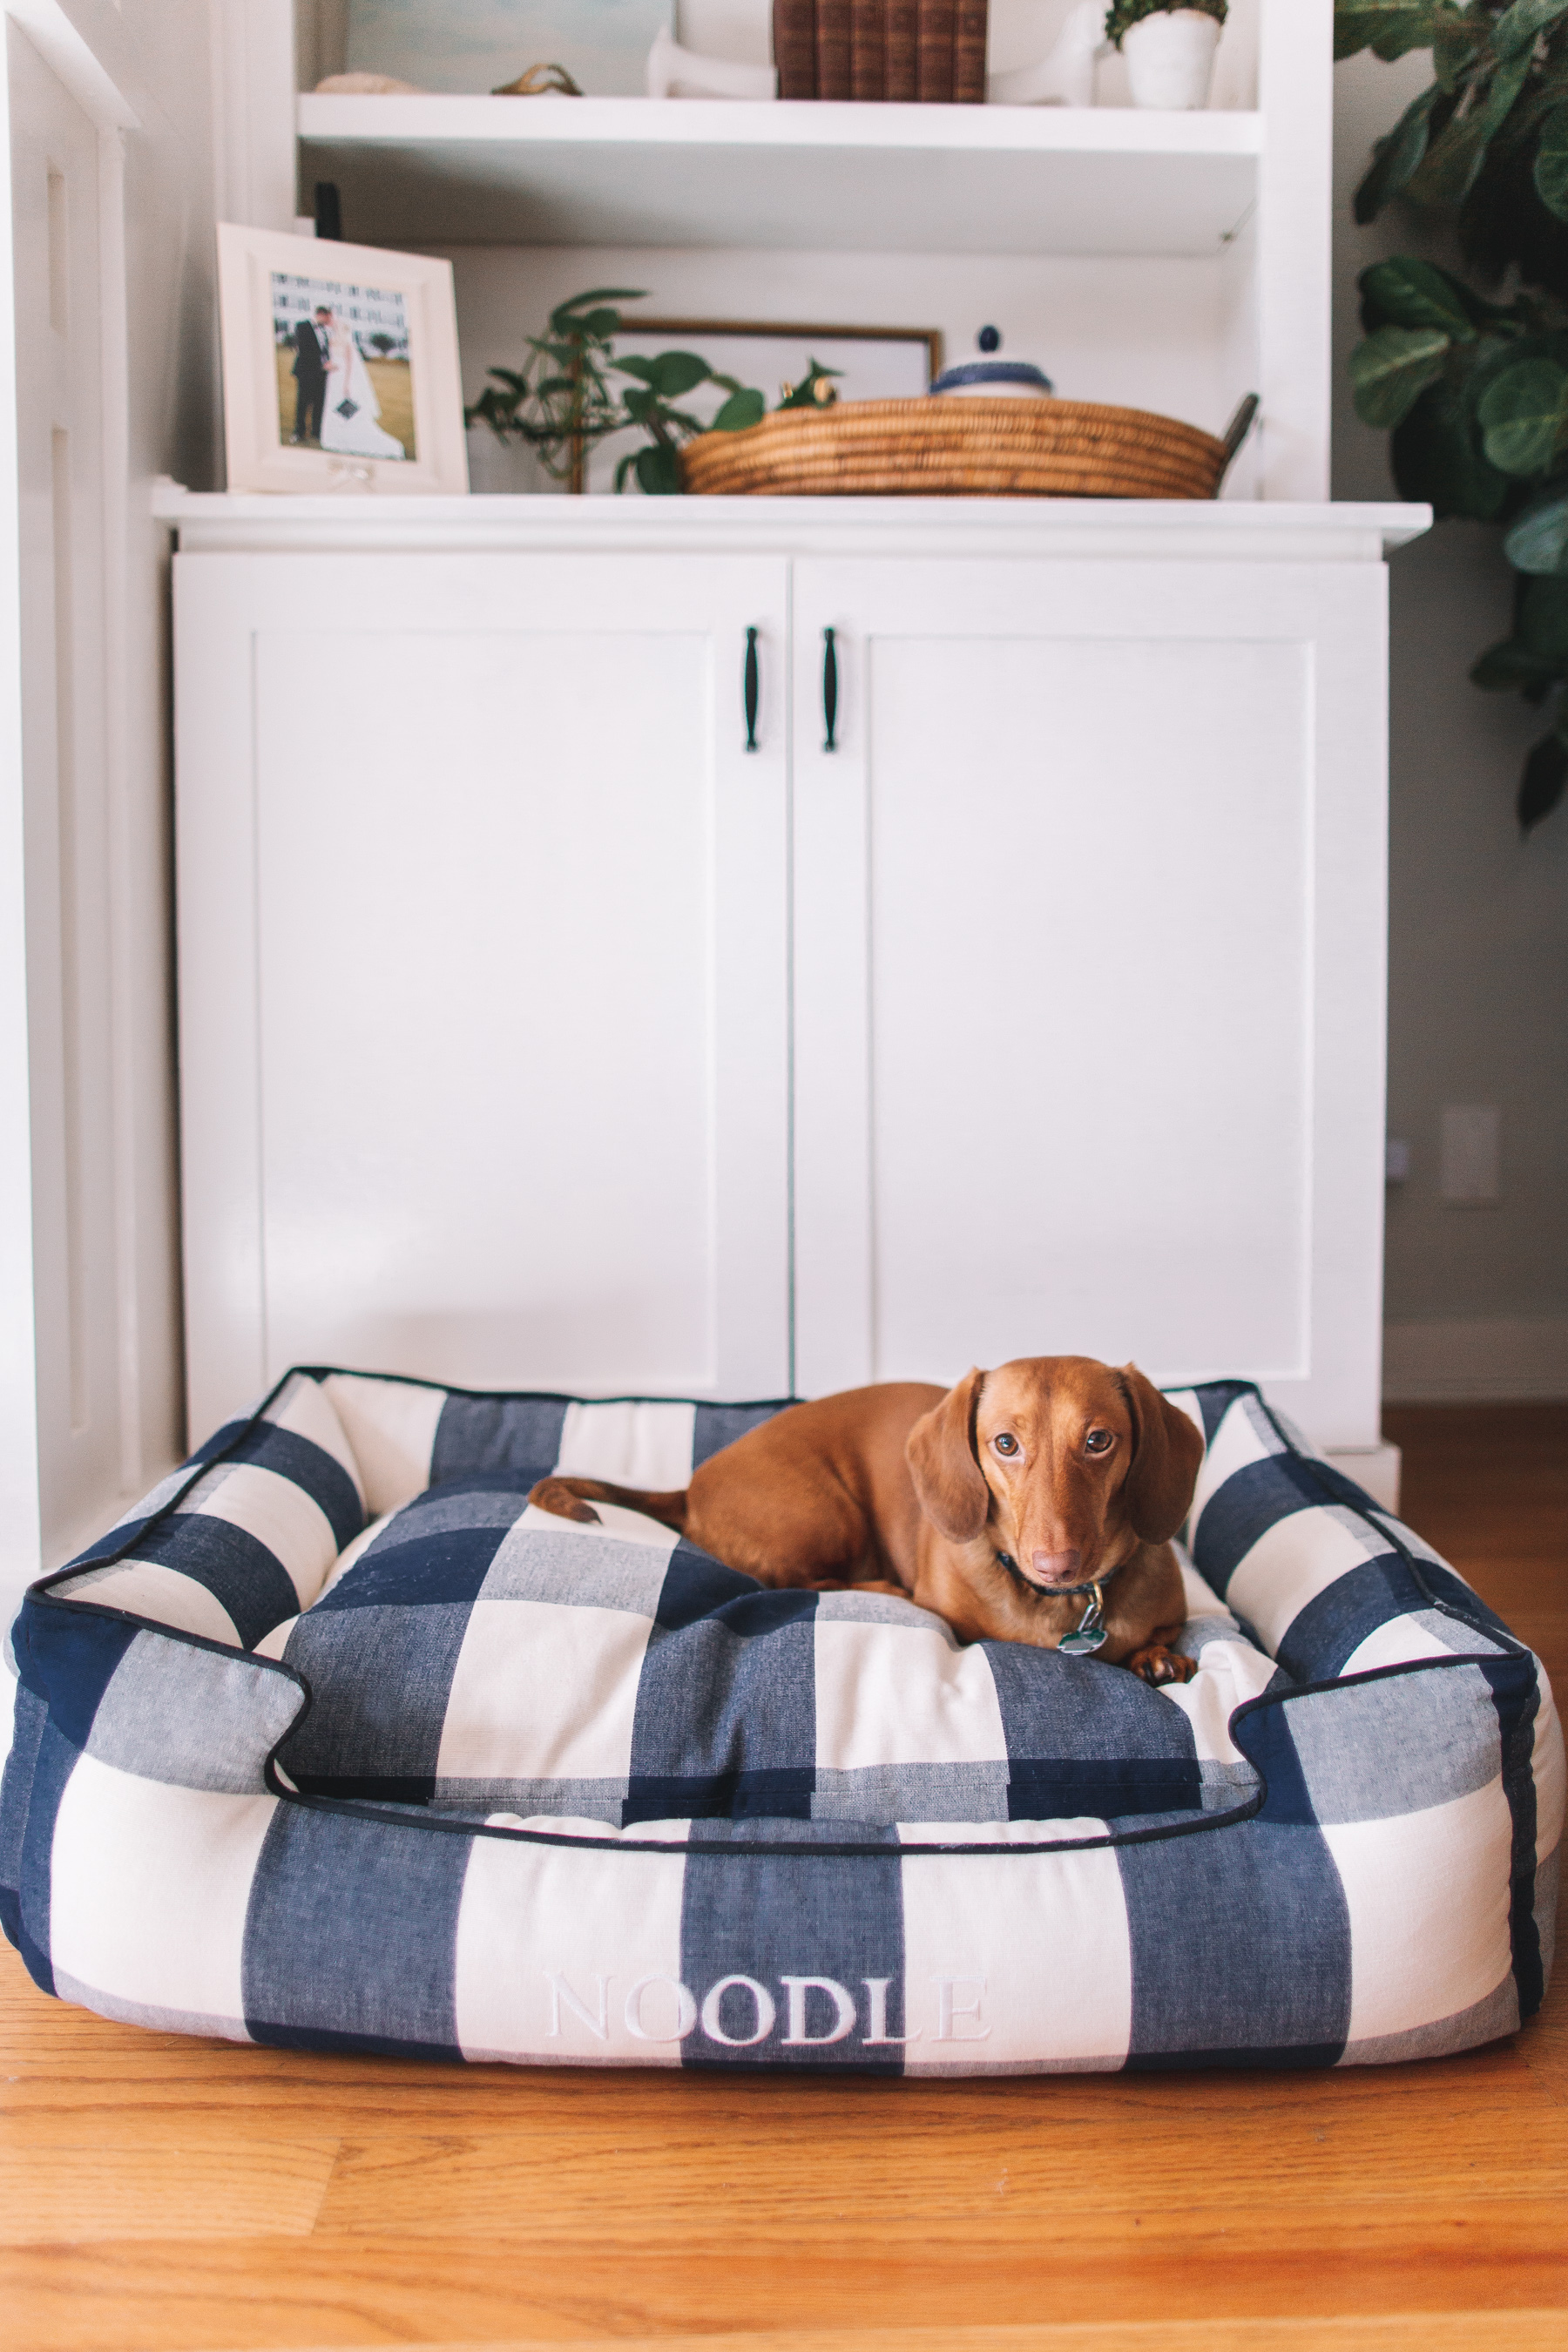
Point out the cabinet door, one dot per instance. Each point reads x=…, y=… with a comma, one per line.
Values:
x=483, y=972
x=1089, y=973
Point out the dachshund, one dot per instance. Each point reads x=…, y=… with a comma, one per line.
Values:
x=1036, y=1503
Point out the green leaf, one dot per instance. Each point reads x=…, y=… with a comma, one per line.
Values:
x=1541, y=784
x=741, y=409
x=1521, y=414
x=1436, y=456
x=1396, y=158
x=1448, y=169
x=1393, y=368
x=1455, y=41
x=1538, y=543
x=1551, y=169
x=678, y=372
x=1541, y=624
x=1365, y=24
x=1510, y=667
x=1520, y=27
x=658, y=474
x=1409, y=293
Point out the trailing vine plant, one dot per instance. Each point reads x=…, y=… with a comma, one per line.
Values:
x=1473, y=390
x=561, y=401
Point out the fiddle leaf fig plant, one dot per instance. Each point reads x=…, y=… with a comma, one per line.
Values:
x=1474, y=392
x=562, y=402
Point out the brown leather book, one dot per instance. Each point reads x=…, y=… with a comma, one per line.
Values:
x=794, y=47
x=969, y=52
x=832, y=48
x=934, y=51
x=901, y=70
x=868, y=69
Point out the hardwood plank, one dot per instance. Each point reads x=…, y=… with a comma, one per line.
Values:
x=326, y=2291
x=125, y=2182
x=1463, y=2331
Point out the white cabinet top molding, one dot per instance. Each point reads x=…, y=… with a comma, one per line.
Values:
x=1239, y=530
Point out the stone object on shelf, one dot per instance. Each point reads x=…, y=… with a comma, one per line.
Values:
x=538, y=81
x=367, y=85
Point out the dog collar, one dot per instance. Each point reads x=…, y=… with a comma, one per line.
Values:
x=1092, y=1631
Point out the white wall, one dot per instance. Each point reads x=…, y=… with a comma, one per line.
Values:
x=161, y=371
x=1476, y=1300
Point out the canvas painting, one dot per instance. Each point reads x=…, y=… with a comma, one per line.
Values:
x=479, y=45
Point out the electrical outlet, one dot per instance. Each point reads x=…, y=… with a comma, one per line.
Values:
x=1469, y=1155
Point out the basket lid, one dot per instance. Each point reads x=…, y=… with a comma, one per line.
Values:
x=997, y=373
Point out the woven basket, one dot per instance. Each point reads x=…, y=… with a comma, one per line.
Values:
x=958, y=448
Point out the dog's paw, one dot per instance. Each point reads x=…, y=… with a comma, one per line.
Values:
x=1154, y=1663
x=555, y=1495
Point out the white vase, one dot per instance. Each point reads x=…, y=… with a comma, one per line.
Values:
x=1169, y=58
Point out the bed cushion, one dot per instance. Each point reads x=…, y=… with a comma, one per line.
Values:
x=337, y=1742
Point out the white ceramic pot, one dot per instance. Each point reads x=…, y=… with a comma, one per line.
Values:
x=1169, y=58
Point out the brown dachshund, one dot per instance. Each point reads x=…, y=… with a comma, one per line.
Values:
x=1032, y=1504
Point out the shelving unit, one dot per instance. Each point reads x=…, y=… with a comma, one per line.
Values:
x=692, y=172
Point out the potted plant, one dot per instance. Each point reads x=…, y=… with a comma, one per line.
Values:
x=1169, y=47
x=1474, y=391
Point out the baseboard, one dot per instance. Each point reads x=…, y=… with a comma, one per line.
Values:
x=1472, y=1363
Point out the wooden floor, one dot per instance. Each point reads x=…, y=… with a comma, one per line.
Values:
x=171, y=2193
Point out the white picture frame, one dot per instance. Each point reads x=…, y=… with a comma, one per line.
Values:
x=389, y=336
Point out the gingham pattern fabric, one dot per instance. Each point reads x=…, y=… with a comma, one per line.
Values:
x=336, y=1743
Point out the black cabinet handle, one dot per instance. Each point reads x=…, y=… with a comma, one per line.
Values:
x=829, y=688
x=750, y=689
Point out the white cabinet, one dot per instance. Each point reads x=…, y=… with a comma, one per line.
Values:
x=495, y=1020
x=484, y=971
x=1089, y=956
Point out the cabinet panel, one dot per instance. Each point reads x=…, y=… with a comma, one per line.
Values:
x=518, y=964
x=1088, y=975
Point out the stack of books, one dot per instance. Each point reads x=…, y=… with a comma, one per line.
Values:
x=931, y=51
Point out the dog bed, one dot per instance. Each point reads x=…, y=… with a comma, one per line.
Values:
x=337, y=1743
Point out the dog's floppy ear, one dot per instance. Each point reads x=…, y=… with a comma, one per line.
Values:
x=1167, y=1454
x=940, y=1455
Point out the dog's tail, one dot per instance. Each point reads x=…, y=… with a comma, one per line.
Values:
x=573, y=1499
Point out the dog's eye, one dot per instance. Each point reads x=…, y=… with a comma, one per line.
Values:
x=1005, y=1444
x=1098, y=1441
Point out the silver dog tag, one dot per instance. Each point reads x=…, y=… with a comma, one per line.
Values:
x=1090, y=1632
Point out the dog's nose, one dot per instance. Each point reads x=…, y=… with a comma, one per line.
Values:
x=1056, y=1567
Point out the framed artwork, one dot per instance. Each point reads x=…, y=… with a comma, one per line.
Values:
x=874, y=363
x=340, y=366
x=483, y=45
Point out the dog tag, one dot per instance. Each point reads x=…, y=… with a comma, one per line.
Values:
x=1090, y=1632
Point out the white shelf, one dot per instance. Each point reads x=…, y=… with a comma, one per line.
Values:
x=1230, y=530
x=821, y=177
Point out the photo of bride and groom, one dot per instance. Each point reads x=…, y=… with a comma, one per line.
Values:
x=344, y=384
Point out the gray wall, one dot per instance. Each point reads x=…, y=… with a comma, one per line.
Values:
x=1476, y=1300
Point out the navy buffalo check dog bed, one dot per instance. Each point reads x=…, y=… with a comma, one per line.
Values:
x=336, y=1743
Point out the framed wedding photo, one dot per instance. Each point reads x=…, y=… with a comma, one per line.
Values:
x=340, y=367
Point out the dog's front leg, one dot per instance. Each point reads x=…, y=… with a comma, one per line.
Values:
x=1156, y=1662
